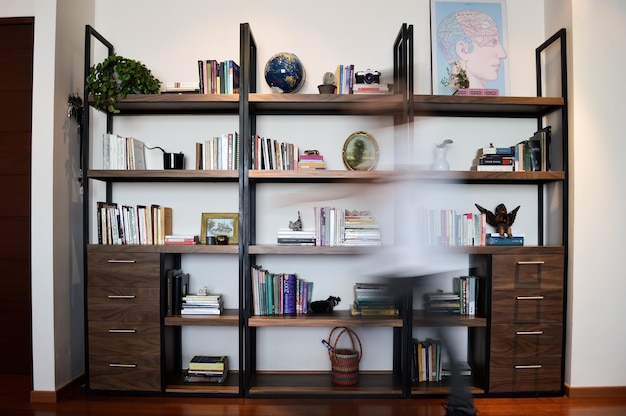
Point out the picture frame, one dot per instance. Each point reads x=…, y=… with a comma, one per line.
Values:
x=360, y=151
x=216, y=224
x=482, y=53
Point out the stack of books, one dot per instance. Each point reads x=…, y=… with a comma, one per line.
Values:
x=207, y=369
x=288, y=236
x=499, y=159
x=372, y=88
x=442, y=302
x=360, y=229
x=176, y=239
x=202, y=305
x=373, y=299
x=311, y=161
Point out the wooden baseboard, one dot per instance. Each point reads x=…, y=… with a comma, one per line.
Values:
x=591, y=392
x=38, y=396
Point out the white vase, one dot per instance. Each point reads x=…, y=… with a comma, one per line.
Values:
x=440, y=162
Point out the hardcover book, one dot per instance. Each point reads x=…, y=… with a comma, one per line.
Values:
x=208, y=362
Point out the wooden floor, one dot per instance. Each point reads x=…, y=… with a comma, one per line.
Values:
x=15, y=393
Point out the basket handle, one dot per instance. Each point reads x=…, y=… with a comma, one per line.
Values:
x=343, y=330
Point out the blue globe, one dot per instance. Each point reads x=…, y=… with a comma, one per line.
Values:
x=284, y=73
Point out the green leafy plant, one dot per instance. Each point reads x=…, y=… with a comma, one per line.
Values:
x=458, y=79
x=116, y=77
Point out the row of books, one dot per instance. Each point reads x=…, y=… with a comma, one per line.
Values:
x=447, y=227
x=217, y=77
x=140, y=224
x=374, y=299
x=218, y=153
x=343, y=227
x=122, y=152
x=279, y=293
x=207, y=369
x=271, y=154
x=428, y=364
x=532, y=154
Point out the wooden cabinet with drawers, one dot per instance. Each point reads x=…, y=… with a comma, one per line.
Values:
x=124, y=320
x=526, y=321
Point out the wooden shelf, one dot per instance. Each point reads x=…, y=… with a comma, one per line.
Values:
x=151, y=104
x=310, y=250
x=168, y=248
x=466, y=106
x=298, y=383
x=335, y=318
x=230, y=317
x=326, y=104
x=318, y=175
x=169, y=175
x=423, y=319
x=229, y=387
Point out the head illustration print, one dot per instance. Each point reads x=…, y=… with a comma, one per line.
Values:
x=471, y=38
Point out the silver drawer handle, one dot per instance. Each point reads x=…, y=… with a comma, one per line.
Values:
x=123, y=365
x=528, y=332
x=523, y=367
x=522, y=263
x=121, y=261
x=122, y=331
x=122, y=296
x=529, y=297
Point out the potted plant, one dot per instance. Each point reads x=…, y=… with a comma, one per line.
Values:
x=116, y=77
x=328, y=84
x=457, y=79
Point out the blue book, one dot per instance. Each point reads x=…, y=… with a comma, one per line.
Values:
x=289, y=293
x=496, y=240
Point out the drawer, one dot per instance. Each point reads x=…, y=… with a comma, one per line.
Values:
x=526, y=306
x=135, y=304
x=525, y=375
x=117, y=372
x=124, y=338
x=514, y=342
x=123, y=269
x=518, y=271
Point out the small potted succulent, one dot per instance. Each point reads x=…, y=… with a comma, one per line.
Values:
x=328, y=84
x=116, y=77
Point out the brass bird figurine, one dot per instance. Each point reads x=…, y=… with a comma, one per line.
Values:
x=502, y=219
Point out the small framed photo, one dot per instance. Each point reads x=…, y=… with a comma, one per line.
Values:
x=360, y=151
x=219, y=228
x=469, y=37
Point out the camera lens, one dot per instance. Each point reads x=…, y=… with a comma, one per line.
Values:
x=369, y=78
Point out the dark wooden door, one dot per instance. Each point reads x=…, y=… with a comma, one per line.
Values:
x=16, y=87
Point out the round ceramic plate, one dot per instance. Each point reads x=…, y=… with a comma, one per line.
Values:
x=360, y=151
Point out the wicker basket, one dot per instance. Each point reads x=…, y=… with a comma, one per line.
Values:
x=344, y=361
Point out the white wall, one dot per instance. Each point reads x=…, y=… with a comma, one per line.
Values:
x=597, y=276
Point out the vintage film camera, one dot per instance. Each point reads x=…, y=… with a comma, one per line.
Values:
x=367, y=77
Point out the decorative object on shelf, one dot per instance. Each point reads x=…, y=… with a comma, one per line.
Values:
x=324, y=306
x=456, y=78
x=328, y=84
x=367, y=77
x=221, y=240
x=344, y=361
x=284, y=73
x=440, y=162
x=472, y=35
x=360, y=151
x=115, y=78
x=171, y=160
x=220, y=225
x=297, y=224
x=502, y=219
